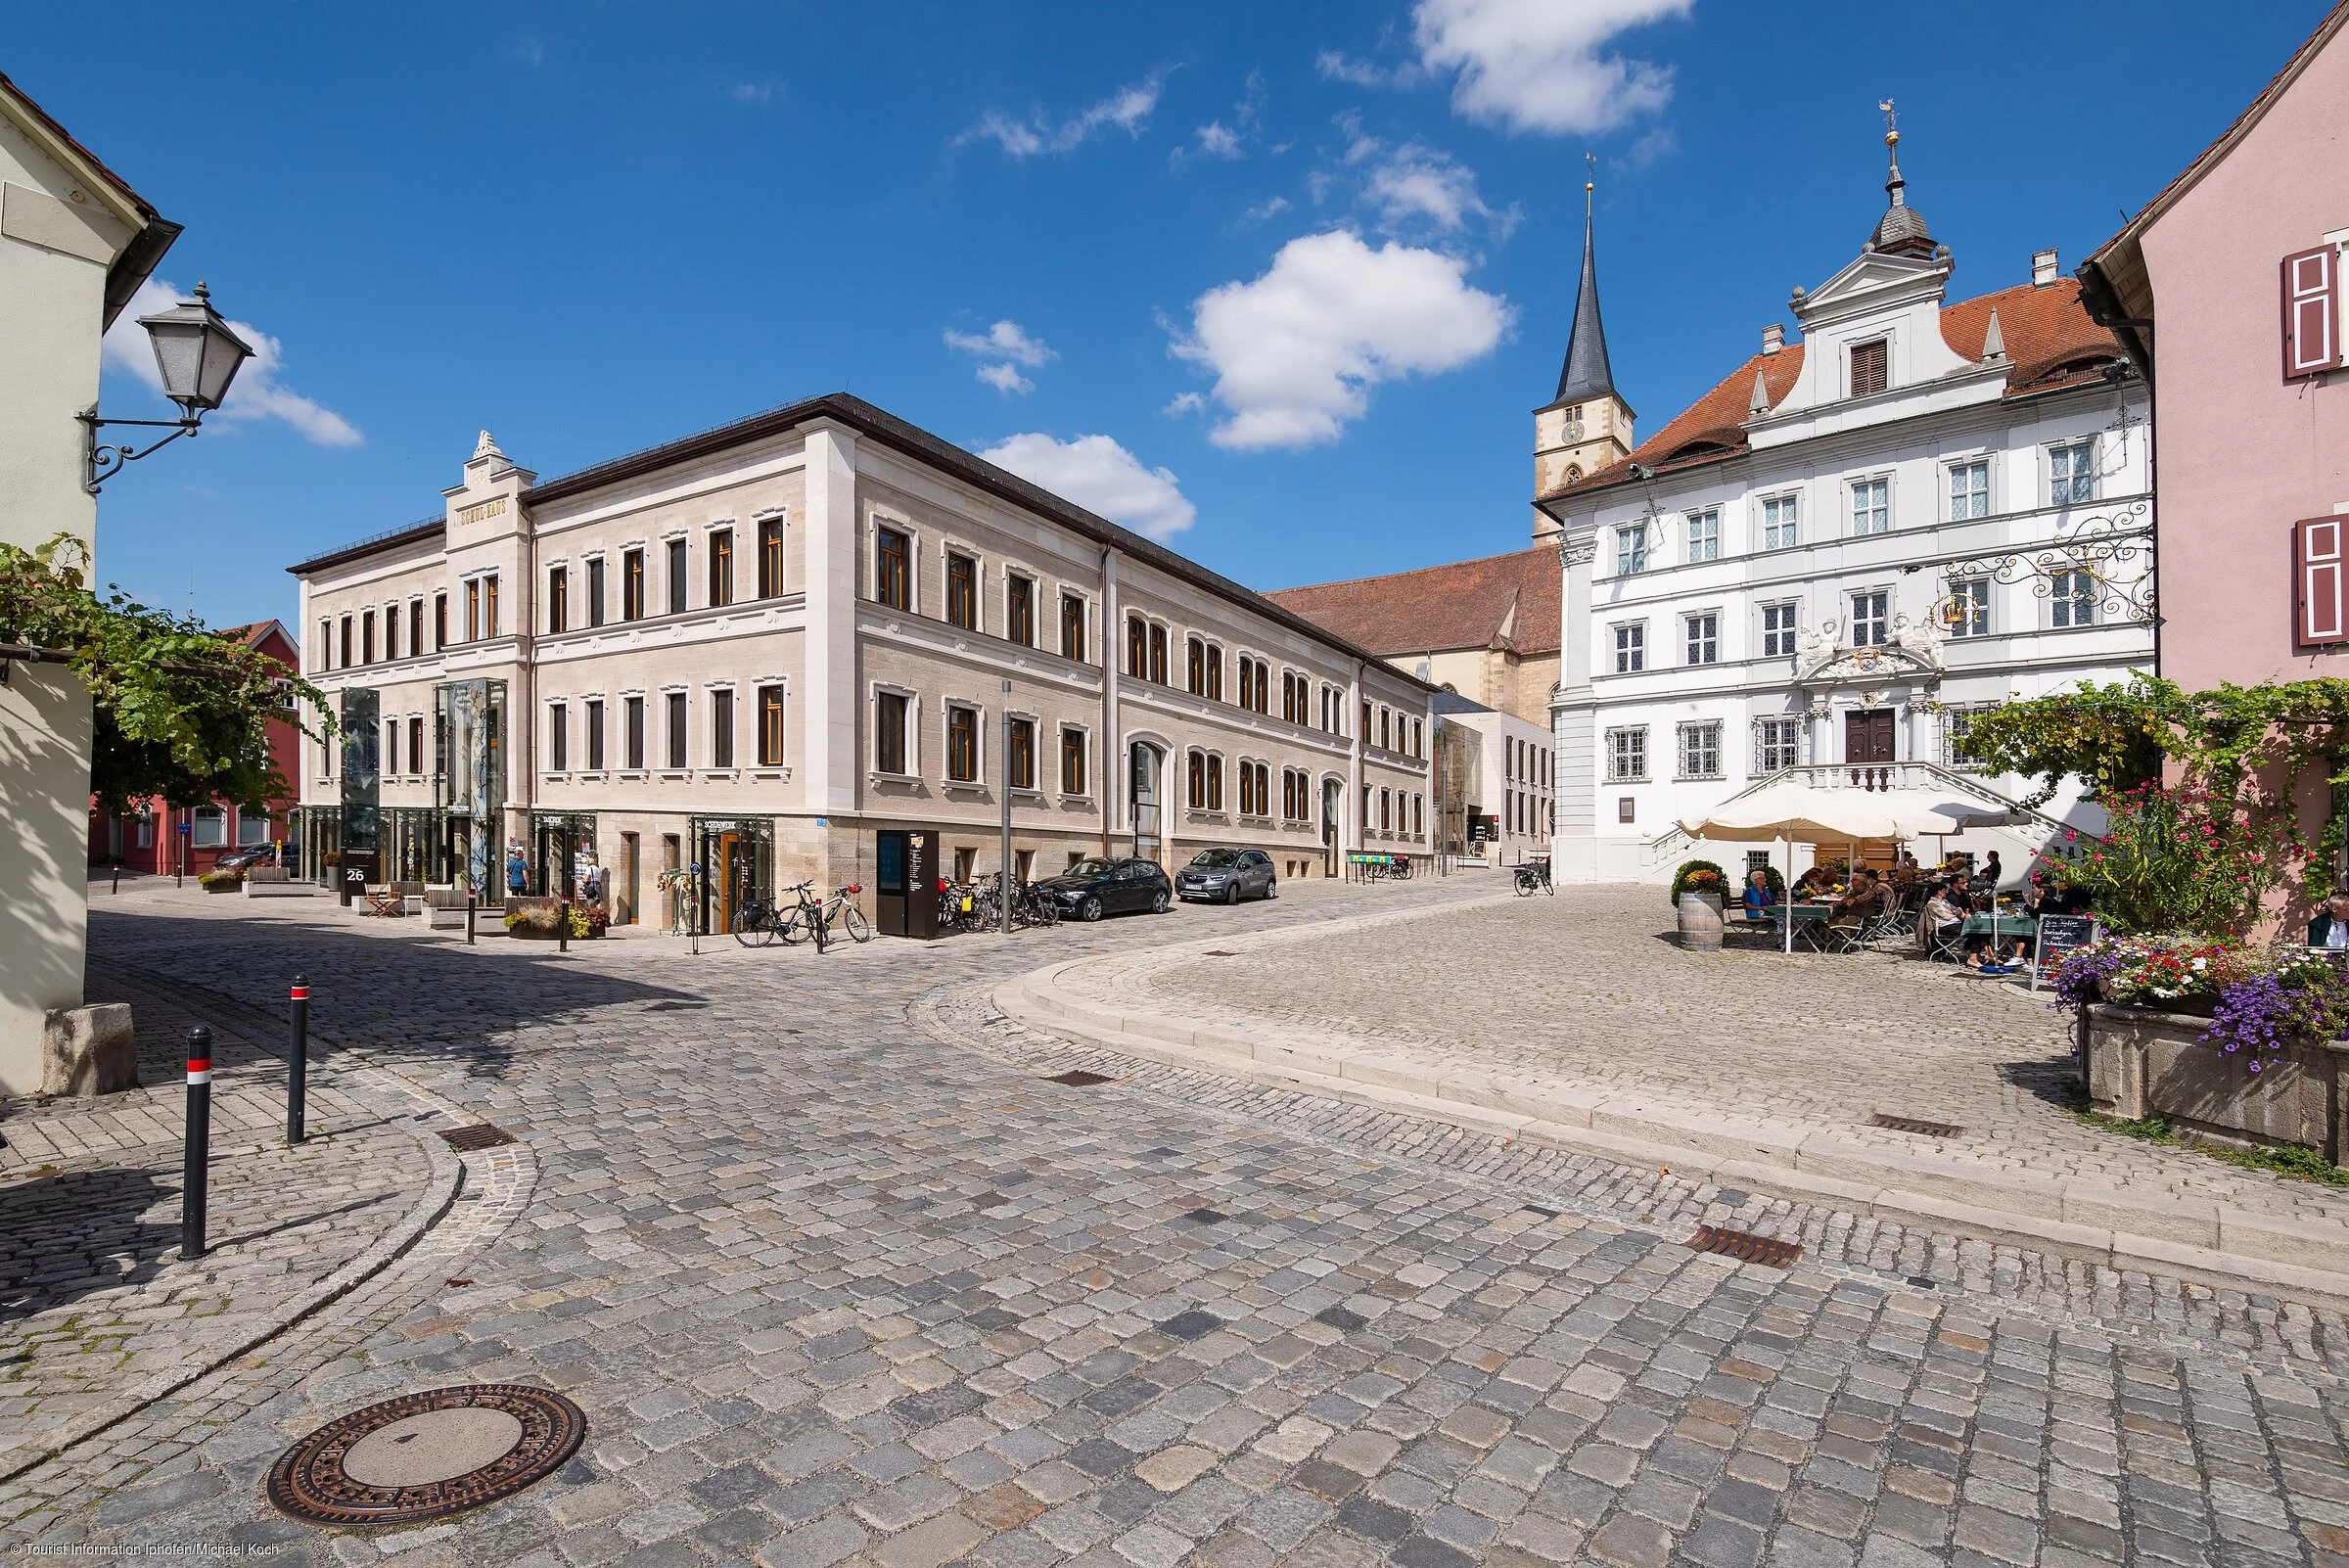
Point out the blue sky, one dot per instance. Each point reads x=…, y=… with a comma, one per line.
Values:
x=1279, y=282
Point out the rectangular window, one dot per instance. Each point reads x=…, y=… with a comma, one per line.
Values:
x=1020, y=753
x=1777, y=630
x=1630, y=648
x=415, y=627
x=722, y=568
x=1704, y=536
x=558, y=738
x=211, y=828
x=962, y=745
x=770, y=557
x=889, y=732
x=489, y=606
x=677, y=754
x=1019, y=610
x=2072, y=473
x=390, y=748
x=631, y=586
x=1777, y=742
x=634, y=706
x=1072, y=762
x=962, y=592
x=1386, y=741
x=1627, y=755
x=1781, y=523
x=367, y=637
x=416, y=745
x=1704, y=638
x=770, y=726
x=2318, y=599
x=893, y=575
x=344, y=661
x=595, y=591
x=1631, y=550
x=595, y=737
x=1158, y=655
x=1870, y=623
x=558, y=599
x=2312, y=342
x=1969, y=608
x=253, y=829
x=326, y=645
x=721, y=730
x=390, y=631
x=1137, y=647
x=1700, y=750
x=1071, y=626
x=1954, y=723
x=2072, y=598
x=1970, y=491
x=440, y=744
x=1872, y=506
x=676, y=577
x=473, y=611
x=1871, y=372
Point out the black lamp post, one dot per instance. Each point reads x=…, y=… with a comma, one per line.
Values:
x=198, y=355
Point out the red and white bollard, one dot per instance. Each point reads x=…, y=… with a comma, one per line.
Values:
x=198, y=1149
x=297, y=1063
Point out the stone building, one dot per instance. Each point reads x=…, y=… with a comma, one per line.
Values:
x=1842, y=552
x=752, y=648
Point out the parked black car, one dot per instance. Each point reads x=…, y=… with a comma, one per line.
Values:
x=1228, y=876
x=248, y=857
x=1091, y=889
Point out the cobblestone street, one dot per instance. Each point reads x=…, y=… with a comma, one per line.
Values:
x=839, y=1275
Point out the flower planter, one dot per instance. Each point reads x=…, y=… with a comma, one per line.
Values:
x=2143, y=1063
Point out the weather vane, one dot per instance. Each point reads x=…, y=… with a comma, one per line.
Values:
x=1592, y=183
x=1892, y=118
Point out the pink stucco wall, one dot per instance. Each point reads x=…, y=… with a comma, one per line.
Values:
x=2242, y=453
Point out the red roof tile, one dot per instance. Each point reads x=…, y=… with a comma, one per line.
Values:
x=1465, y=603
x=2049, y=342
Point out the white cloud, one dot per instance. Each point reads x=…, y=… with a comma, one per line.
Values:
x=1538, y=65
x=1415, y=187
x=1003, y=348
x=1101, y=476
x=256, y=394
x=1005, y=379
x=531, y=52
x=756, y=92
x=1296, y=351
x=1363, y=74
x=1219, y=140
x=1127, y=110
x=1269, y=208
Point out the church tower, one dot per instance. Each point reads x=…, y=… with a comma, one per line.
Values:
x=1587, y=426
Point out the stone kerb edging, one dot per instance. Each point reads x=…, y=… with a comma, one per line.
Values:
x=2216, y=1244
x=380, y=1092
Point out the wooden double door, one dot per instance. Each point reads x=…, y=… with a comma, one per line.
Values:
x=1868, y=737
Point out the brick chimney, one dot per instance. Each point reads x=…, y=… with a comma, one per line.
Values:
x=2043, y=268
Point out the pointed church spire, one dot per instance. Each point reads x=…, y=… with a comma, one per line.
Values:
x=1586, y=373
x=1902, y=229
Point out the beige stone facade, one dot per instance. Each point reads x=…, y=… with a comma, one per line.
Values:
x=759, y=646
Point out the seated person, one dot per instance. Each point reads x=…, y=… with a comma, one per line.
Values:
x=1858, y=903
x=1813, y=882
x=2329, y=930
x=1943, y=917
x=1758, y=899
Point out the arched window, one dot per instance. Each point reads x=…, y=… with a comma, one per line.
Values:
x=1196, y=768
x=1158, y=655
x=1138, y=645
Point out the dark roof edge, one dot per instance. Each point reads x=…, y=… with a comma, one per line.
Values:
x=367, y=547
x=913, y=441
x=155, y=232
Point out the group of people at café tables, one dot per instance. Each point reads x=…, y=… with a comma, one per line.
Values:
x=1950, y=897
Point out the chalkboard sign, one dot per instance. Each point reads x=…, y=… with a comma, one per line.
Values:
x=2058, y=936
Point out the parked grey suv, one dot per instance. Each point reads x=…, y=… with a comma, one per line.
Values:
x=1228, y=876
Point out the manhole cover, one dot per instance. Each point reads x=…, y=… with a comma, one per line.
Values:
x=424, y=1456
x=480, y=1135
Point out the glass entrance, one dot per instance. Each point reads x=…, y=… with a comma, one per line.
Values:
x=564, y=842
x=1333, y=800
x=737, y=858
x=1146, y=774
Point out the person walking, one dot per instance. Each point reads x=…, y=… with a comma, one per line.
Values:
x=517, y=873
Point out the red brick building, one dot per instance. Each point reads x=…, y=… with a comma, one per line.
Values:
x=149, y=836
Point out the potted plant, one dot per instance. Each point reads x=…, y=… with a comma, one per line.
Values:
x=1704, y=879
x=220, y=881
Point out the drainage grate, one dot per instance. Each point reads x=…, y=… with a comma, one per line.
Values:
x=1910, y=1123
x=1745, y=1246
x=480, y=1135
x=1079, y=1079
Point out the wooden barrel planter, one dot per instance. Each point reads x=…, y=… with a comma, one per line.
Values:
x=1700, y=923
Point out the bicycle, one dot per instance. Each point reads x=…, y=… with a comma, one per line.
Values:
x=816, y=917
x=1532, y=876
x=758, y=923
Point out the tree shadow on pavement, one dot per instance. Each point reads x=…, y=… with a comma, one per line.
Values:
x=64, y=1237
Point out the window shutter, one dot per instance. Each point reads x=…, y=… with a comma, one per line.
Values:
x=2323, y=610
x=2312, y=340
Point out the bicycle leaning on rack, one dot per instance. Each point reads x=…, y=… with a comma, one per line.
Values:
x=1532, y=876
x=760, y=923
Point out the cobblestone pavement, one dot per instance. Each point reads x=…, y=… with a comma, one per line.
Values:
x=1585, y=989
x=94, y=1298
x=840, y=1276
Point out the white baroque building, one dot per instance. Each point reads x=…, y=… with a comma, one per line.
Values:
x=1841, y=553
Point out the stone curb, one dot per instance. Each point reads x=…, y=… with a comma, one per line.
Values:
x=441, y=1194
x=2209, y=1243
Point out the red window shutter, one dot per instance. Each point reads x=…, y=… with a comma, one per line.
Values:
x=2322, y=611
x=2311, y=319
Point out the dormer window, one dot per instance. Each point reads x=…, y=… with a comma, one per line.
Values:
x=1870, y=364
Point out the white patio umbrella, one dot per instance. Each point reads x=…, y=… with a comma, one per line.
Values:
x=1792, y=813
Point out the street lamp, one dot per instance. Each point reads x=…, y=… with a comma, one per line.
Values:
x=198, y=356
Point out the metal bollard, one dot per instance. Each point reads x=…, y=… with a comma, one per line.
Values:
x=199, y=1142
x=297, y=1062
x=473, y=905
x=562, y=926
